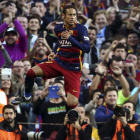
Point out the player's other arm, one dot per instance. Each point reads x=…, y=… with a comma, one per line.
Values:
x=83, y=34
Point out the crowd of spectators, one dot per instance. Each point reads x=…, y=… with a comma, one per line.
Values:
x=110, y=74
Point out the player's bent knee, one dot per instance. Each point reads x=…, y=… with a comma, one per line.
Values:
x=31, y=74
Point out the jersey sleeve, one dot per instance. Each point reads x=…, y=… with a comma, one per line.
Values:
x=84, y=45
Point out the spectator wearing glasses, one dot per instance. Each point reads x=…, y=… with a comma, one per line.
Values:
x=18, y=77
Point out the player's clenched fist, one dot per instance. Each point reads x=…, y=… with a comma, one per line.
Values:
x=65, y=35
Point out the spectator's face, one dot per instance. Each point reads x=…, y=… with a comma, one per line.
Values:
x=21, y=2
x=112, y=15
x=133, y=40
x=79, y=2
x=41, y=49
x=101, y=21
x=36, y=95
x=24, y=22
x=130, y=107
x=111, y=98
x=81, y=112
x=27, y=66
x=132, y=58
x=70, y=17
x=10, y=39
x=9, y=115
x=86, y=119
x=95, y=2
x=41, y=7
x=18, y=69
x=107, y=85
x=92, y=36
x=119, y=64
x=120, y=52
x=102, y=53
x=6, y=84
x=34, y=24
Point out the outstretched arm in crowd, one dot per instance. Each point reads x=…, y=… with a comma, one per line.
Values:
x=8, y=61
x=125, y=86
x=22, y=36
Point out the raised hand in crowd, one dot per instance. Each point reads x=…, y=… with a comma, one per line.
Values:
x=101, y=69
x=12, y=8
x=117, y=71
x=95, y=99
x=54, y=7
x=26, y=8
x=2, y=5
x=44, y=93
x=36, y=12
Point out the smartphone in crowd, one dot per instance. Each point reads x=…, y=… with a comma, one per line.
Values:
x=41, y=34
x=53, y=91
x=6, y=74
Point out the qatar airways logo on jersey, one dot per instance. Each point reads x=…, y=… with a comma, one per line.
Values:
x=65, y=43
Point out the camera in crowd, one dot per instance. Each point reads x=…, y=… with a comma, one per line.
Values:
x=36, y=135
x=73, y=116
x=121, y=111
x=101, y=95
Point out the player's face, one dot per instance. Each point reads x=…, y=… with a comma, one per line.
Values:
x=70, y=17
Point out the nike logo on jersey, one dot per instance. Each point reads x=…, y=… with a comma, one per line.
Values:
x=74, y=91
x=86, y=38
x=65, y=43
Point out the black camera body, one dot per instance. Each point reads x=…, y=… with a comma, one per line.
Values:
x=73, y=115
x=101, y=95
x=120, y=111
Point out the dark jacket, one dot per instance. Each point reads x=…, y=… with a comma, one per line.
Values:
x=83, y=134
x=108, y=130
x=50, y=113
x=4, y=126
x=112, y=29
x=103, y=114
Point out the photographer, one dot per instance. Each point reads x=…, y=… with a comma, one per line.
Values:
x=122, y=126
x=9, y=128
x=82, y=129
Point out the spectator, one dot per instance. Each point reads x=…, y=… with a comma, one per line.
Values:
x=95, y=102
x=52, y=109
x=92, y=57
x=128, y=127
x=7, y=86
x=27, y=65
x=105, y=112
x=40, y=52
x=83, y=12
x=34, y=26
x=53, y=11
x=18, y=78
x=24, y=22
x=9, y=127
x=110, y=14
x=96, y=5
x=138, y=63
x=118, y=62
x=83, y=130
x=65, y=3
x=133, y=41
x=16, y=51
x=105, y=30
x=6, y=56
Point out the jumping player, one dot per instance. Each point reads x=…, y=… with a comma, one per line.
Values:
x=72, y=42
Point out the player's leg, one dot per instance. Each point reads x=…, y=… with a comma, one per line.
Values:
x=72, y=87
x=46, y=69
